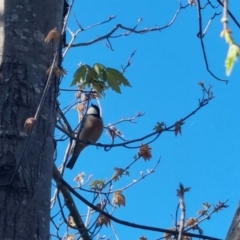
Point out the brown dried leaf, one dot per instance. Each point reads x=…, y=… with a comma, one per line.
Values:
x=53, y=35
x=159, y=127
x=114, y=132
x=103, y=220
x=178, y=127
x=202, y=212
x=81, y=107
x=119, y=172
x=145, y=152
x=56, y=71
x=29, y=123
x=191, y=2
x=168, y=236
x=191, y=222
x=119, y=199
x=186, y=238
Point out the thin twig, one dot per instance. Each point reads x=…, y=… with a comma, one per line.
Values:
x=81, y=29
x=128, y=29
x=130, y=119
x=208, y=24
x=67, y=17
x=230, y=14
x=200, y=35
x=129, y=62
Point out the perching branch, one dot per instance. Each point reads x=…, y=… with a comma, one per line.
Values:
x=203, y=102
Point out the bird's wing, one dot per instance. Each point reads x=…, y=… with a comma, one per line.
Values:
x=93, y=128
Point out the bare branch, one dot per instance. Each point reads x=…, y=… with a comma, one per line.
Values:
x=133, y=225
x=126, y=144
x=183, y=210
x=81, y=29
x=70, y=204
x=128, y=29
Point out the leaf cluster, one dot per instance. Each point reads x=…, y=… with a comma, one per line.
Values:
x=100, y=78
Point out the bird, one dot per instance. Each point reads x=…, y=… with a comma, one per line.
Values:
x=90, y=131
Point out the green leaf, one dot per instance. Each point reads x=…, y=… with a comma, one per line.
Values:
x=80, y=75
x=233, y=54
x=91, y=76
x=112, y=83
x=99, y=86
x=99, y=68
x=228, y=37
x=99, y=77
x=115, y=78
x=118, y=76
x=98, y=185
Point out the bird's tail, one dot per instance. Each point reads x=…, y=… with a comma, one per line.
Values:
x=75, y=154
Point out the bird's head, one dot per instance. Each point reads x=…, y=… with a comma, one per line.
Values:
x=93, y=110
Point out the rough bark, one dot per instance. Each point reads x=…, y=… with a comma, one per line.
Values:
x=24, y=59
x=234, y=230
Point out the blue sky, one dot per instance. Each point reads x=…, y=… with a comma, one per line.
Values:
x=164, y=76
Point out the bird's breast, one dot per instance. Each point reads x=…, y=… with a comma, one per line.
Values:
x=92, y=129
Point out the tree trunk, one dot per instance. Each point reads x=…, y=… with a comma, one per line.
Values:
x=234, y=230
x=24, y=59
